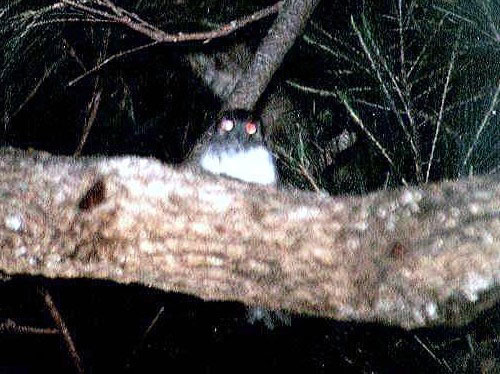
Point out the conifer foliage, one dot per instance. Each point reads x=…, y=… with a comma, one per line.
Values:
x=419, y=82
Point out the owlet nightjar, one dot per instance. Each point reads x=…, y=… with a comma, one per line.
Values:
x=236, y=149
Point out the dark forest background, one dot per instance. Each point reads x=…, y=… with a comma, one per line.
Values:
x=382, y=94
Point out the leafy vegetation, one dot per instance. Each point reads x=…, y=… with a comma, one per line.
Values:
x=420, y=83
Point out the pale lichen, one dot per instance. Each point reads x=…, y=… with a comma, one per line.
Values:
x=14, y=222
x=473, y=284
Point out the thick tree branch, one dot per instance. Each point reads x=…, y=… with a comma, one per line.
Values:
x=414, y=257
x=280, y=38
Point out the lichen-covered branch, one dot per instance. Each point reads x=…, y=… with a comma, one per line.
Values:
x=412, y=257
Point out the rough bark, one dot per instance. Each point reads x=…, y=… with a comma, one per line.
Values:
x=412, y=257
x=291, y=19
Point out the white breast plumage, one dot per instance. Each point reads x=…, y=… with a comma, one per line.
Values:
x=252, y=164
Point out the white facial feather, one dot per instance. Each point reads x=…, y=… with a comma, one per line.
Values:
x=253, y=165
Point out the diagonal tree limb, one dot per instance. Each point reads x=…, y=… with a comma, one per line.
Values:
x=280, y=38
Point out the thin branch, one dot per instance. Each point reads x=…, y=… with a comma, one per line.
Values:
x=35, y=89
x=134, y=22
x=401, y=40
x=63, y=329
x=301, y=169
x=92, y=11
x=139, y=346
x=110, y=59
x=377, y=144
x=427, y=44
x=327, y=93
x=37, y=13
x=428, y=350
x=72, y=52
x=69, y=20
x=92, y=114
x=316, y=91
x=309, y=177
x=403, y=97
x=336, y=53
x=11, y=326
x=441, y=111
x=385, y=90
x=491, y=111
x=473, y=24
x=335, y=39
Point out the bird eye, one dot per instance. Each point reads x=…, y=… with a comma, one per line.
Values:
x=250, y=128
x=226, y=125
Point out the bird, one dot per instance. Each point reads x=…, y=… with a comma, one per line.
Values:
x=234, y=147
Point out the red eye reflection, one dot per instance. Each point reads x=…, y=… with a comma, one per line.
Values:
x=226, y=125
x=250, y=128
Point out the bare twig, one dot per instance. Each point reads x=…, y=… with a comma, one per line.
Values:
x=72, y=52
x=422, y=55
x=63, y=329
x=334, y=39
x=404, y=99
x=109, y=59
x=386, y=92
x=158, y=36
x=442, y=362
x=336, y=53
x=37, y=13
x=134, y=22
x=377, y=144
x=11, y=326
x=301, y=169
x=484, y=123
x=401, y=40
x=67, y=20
x=94, y=103
x=441, y=111
x=471, y=22
x=35, y=89
x=327, y=93
x=316, y=91
x=153, y=323
x=92, y=113
x=92, y=11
